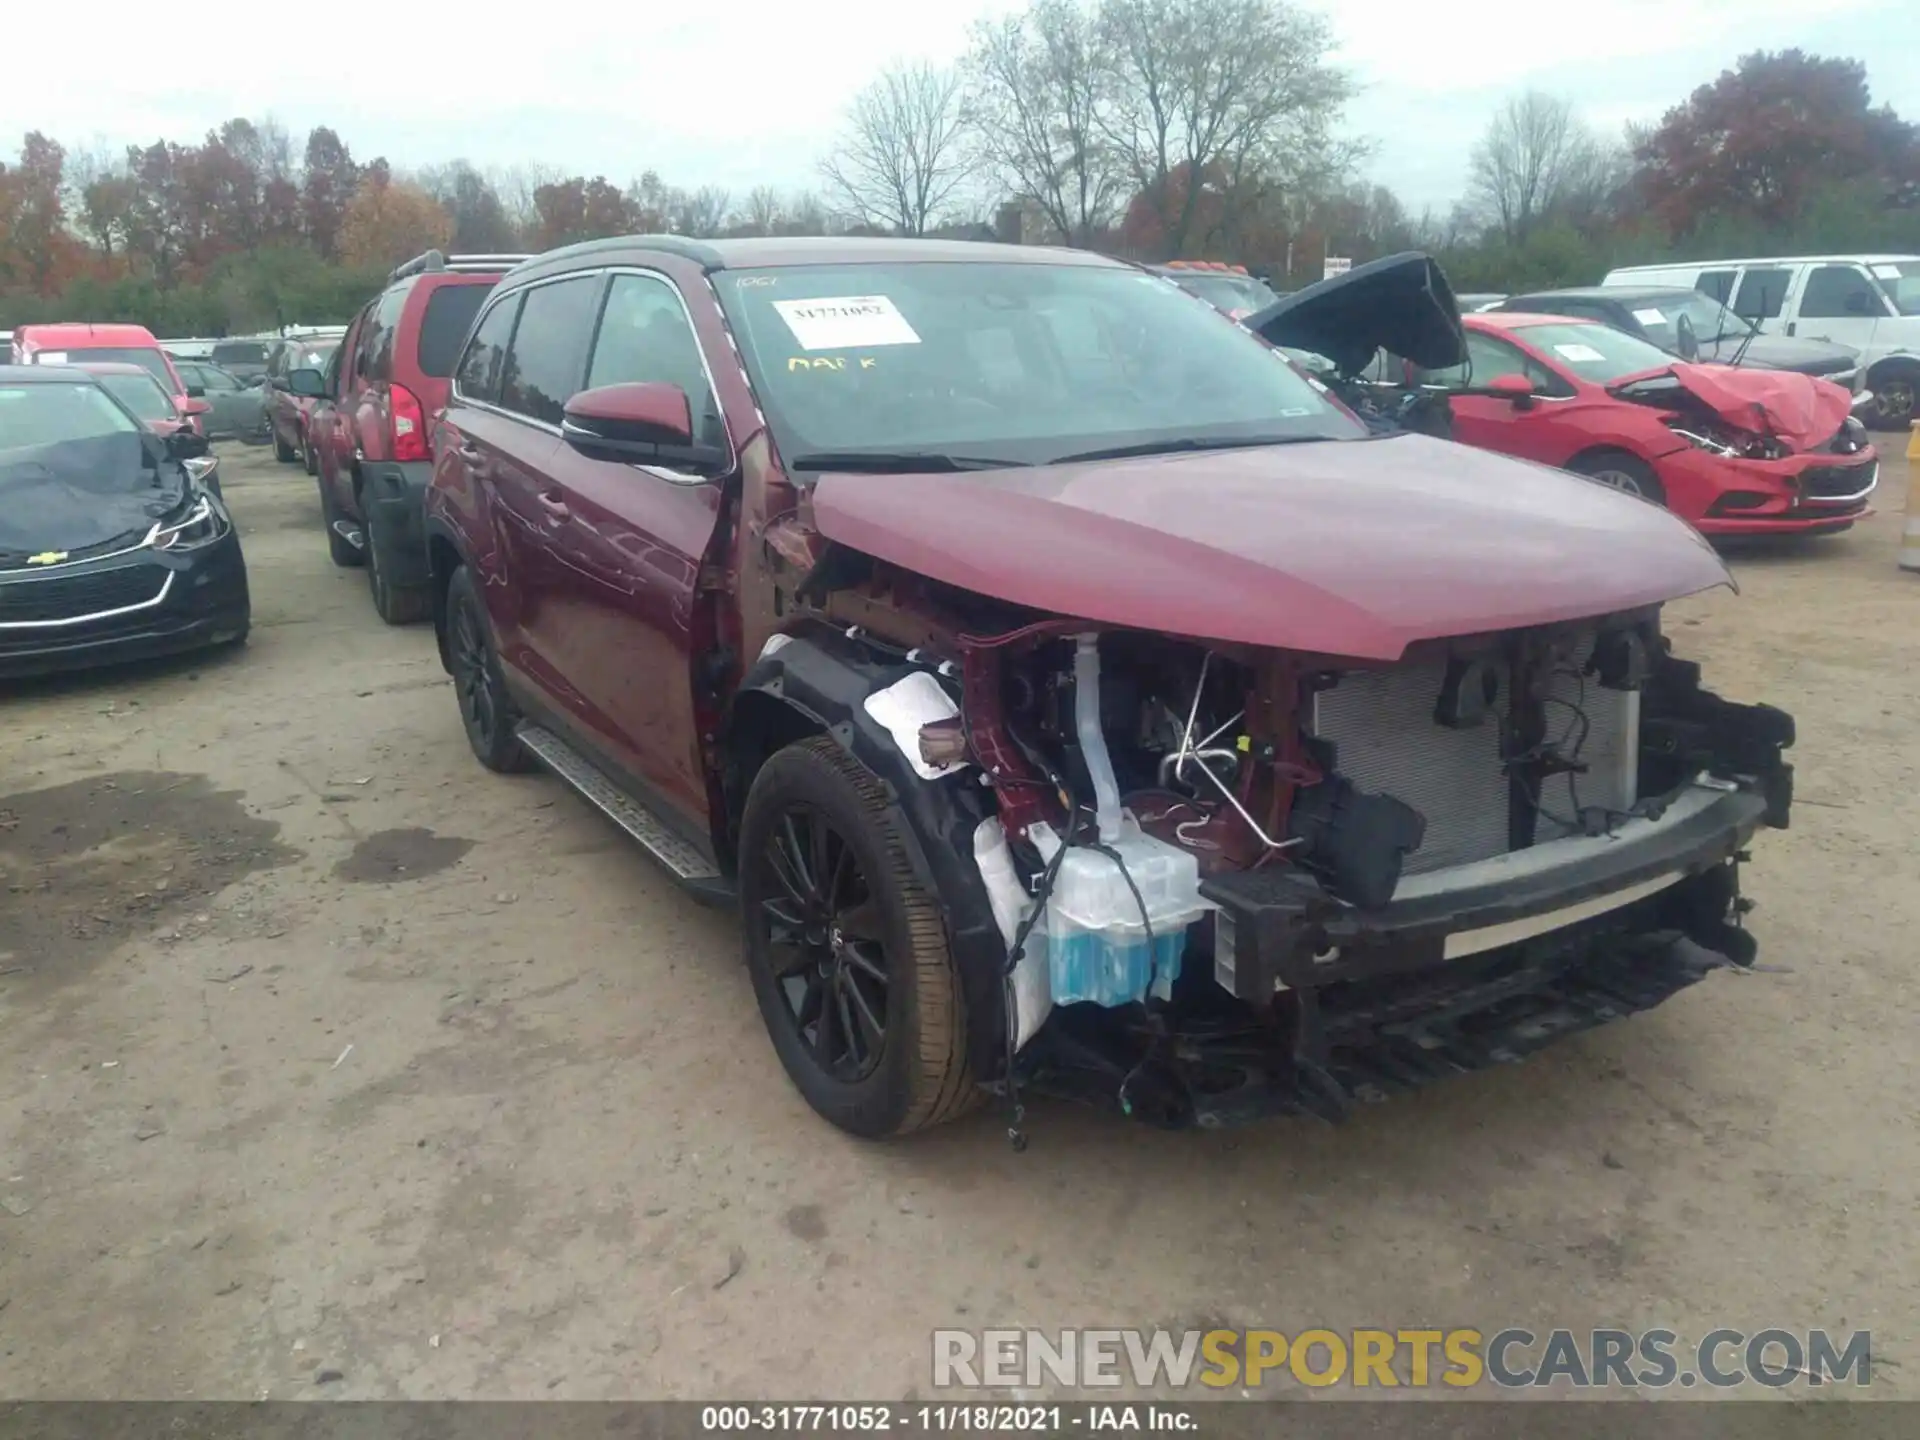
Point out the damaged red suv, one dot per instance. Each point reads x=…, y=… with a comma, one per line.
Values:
x=1073, y=697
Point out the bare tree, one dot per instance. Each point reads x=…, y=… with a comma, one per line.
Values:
x=1039, y=84
x=905, y=153
x=1214, y=100
x=1537, y=159
x=762, y=211
x=700, y=213
x=516, y=186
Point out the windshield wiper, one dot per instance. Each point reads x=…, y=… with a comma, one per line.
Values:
x=1186, y=444
x=897, y=462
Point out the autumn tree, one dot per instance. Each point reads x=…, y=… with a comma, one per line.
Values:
x=1760, y=139
x=329, y=183
x=905, y=153
x=576, y=208
x=35, y=247
x=389, y=220
x=481, y=225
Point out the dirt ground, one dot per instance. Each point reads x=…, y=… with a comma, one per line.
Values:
x=333, y=1064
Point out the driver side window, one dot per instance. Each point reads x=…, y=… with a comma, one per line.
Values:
x=646, y=336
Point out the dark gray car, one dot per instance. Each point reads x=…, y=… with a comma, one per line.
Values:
x=1679, y=320
x=245, y=360
x=239, y=410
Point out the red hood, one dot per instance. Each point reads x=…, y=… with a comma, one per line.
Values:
x=1343, y=548
x=1799, y=410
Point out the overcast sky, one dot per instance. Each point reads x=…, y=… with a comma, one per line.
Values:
x=746, y=92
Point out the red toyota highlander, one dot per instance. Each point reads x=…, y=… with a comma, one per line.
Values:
x=1071, y=695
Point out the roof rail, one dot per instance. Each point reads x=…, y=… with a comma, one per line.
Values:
x=438, y=261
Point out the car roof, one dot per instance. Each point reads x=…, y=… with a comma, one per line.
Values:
x=1521, y=319
x=1856, y=259
x=111, y=367
x=754, y=252
x=48, y=375
x=77, y=335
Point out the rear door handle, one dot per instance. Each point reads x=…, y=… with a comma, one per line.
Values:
x=555, y=507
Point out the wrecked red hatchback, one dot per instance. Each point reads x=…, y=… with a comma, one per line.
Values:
x=1074, y=697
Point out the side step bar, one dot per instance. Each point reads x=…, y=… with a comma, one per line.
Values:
x=686, y=862
x=350, y=533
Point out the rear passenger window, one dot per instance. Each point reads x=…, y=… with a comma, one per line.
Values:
x=1835, y=292
x=1762, y=293
x=549, y=351
x=1717, y=283
x=450, y=311
x=480, y=367
x=645, y=335
x=376, y=341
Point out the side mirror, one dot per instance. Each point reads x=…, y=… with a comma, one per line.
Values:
x=185, y=444
x=194, y=392
x=1686, y=338
x=1515, y=388
x=309, y=383
x=650, y=423
x=194, y=405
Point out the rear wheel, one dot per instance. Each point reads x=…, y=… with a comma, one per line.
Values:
x=487, y=713
x=396, y=604
x=1620, y=471
x=282, y=451
x=847, y=950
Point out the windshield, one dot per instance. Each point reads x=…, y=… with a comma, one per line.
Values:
x=1015, y=363
x=142, y=394
x=1901, y=280
x=1711, y=321
x=151, y=361
x=1231, y=293
x=36, y=415
x=1598, y=353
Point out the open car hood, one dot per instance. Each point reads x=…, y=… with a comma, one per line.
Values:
x=1401, y=304
x=1799, y=410
x=1340, y=548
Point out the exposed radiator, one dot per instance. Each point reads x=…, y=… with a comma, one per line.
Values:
x=1382, y=727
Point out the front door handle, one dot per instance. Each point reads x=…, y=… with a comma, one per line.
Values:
x=469, y=453
x=1792, y=325
x=555, y=507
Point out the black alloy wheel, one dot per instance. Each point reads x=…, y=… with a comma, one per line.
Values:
x=847, y=947
x=824, y=940
x=1894, y=400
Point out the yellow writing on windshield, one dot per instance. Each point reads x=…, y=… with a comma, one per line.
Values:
x=827, y=362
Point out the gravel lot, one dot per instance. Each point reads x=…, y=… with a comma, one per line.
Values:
x=324, y=1050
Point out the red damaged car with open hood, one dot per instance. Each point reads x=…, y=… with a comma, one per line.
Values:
x=1073, y=696
x=1732, y=451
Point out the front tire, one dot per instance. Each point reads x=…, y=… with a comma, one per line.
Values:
x=282, y=451
x=487, y=712
x=1620, y=471
x=340, y=549
x=847, y=950
x=1896, y=397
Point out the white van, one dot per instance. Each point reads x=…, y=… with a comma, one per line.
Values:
x=1868, y=302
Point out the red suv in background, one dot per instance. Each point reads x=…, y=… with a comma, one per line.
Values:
x=373, y=413
x=288, y=413
x=88, y=344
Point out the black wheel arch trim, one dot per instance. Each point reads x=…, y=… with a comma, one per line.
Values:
x=823, y=678
x=437, y=529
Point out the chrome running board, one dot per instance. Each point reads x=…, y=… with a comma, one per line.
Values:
x=685, y=861
x=350, y=533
